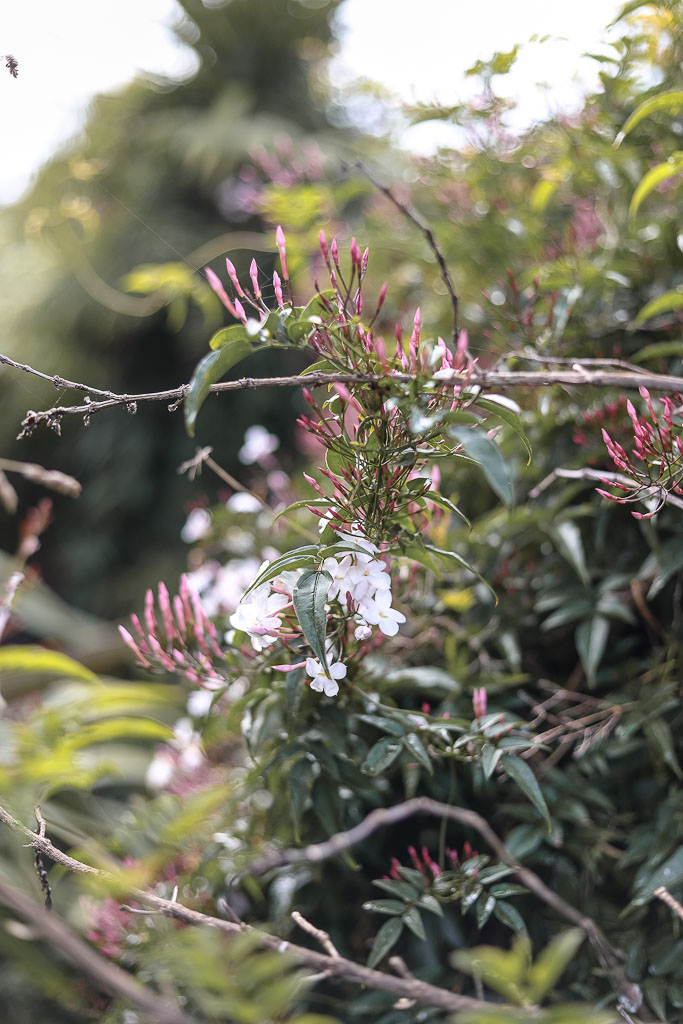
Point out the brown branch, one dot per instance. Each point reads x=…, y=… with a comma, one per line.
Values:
x=672, y=903
x=609, y=956
x=52, y=478
x=112, y=978
x=338, y=967
x=413, y=216
x=478, y=378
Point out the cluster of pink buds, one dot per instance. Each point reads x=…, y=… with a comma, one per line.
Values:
x=456, y=861
x=479, y=702
x=424, y=863
x=654, y=469
x=182, y=639
x=251, y=297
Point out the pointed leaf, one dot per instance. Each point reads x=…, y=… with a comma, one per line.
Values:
x=668, y=874
x=445, y=503
x=520, y=772
x=385, y=940
x=552, y=962
x=208, y=371
x=392, y=907
x=413, y=920
x=293, y=559
x=510, y=916
x=660, y=738
x=485, y=906
x=381, y=756
x=591, y=641
x=665, y=102
x=431, y=904
x=309, y=598
x=504, y=409
x=567, y=538
x=669, y=302
x=31, y=658
x=416, y=748
x=403, y=890
x=654, y=177
x=487, y=455
x=490, y=756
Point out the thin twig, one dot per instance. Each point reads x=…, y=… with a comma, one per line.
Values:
x=318, y=934
x=672, y=903
x=413, y=216
x=592, y=474
x=110, y=977
x=13, y=583
x=608, y=955
x=338, y=967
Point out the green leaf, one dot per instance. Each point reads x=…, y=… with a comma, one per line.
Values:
x=389, y=725
x=392, y=907
x=415, y=747
x=490, y=756
x=665, y=102
x=485, y=906
x=309, y=598
x=552, y=961
x=300, y=781
x=659, y=348
x=413, y=920
x=503, y=889
x=591, y=641
x=229, y=336
x=386, y=938
x=451, y=556
x=403, y=890
x=445, y=503
x=654, y=177
x=383, y=754
x=500, y=406
x=431, y=904
x=660, y=739
x=293, y=559
x=520, y=772
x=668, y=874
x=567, y=538
x=502, y=970
x=668, y=302
x=487, y=455
x=510, y=916
x=208, y=371
x=30, y=658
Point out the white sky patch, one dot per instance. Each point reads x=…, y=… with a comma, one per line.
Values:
x=69, y=50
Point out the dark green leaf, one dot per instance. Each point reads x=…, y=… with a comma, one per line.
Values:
x=385, y=940
x=591, y=641
x=498, y=406
x=668, y=874
x=392, y=907
x=489, y=759
x=431, y=904
x=383, y=754
x=520, y=772
x=309, y=598
x=485, y=907
x=487, y=455
x=661, y=741
x=414, y=745
x=208, y=371
x=403, y=890
x=413, y=920
x=509, y=915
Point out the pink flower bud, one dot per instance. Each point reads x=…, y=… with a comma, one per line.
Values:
x=179, y=615
x=220, y=291
x=129, y=642
x=232, y=274
x=278, y=290
x=323, y=247
x=335, y=253
x=479, y=702
x=355, y=254
x=382, y=297
x=166, y=614
x=239, y=309
x=253, y=274
x=359, y=303
x=150, y=617
x=280, y=240
x=364, y=262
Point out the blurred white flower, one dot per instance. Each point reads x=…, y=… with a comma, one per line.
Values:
x=258, y=443
x=160, y=770
x=197, y=525
x=199, y=702
x=243, y=502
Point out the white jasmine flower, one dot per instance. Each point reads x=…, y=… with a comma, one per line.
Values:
x=259, y=614
x=339, y=571
x=378, y=612
x=367, y=577
x=242, y=502
x=320, y=681
x=362, y=631
x=258, y=443
x=197, y=525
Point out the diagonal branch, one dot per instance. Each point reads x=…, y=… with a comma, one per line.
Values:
x=578, y=376
x=112, y=978
x=332, y=966
x=609, y=956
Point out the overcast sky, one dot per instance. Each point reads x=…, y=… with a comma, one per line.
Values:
x=70, y=49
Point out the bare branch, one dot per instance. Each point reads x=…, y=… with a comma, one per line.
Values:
x=672, y=903
x=473, y=378
x=585, y=473
x=338, y=967
x=609, y=956
x=413, y=216
x=318, y=934
x=112, y=978
x=52, y=478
